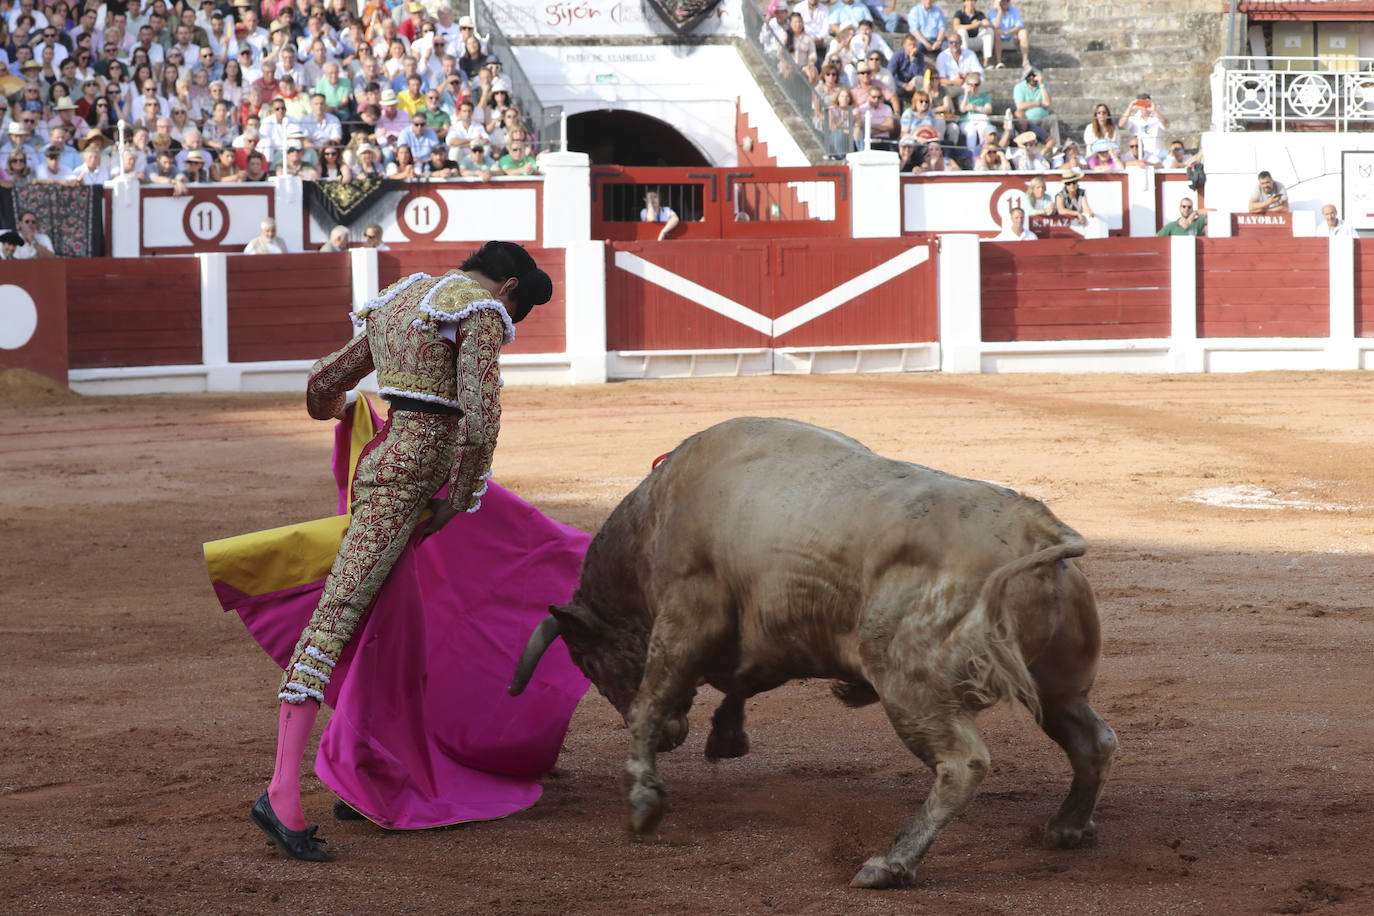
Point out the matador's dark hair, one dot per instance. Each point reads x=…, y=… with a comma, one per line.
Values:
x=503, y=260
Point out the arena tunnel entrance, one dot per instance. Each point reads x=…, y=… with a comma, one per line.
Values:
x=631, y=138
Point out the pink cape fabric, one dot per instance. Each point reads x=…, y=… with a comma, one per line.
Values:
x=423, y=732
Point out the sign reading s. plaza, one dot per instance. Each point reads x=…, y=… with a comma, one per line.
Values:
x=602, y=18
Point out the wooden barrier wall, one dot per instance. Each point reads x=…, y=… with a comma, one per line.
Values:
x=1078, y=289
x=288, y=306
x=542, y=331
x=754, y=294
x=1364, y=290
x=133, y=312
x=1272, y=286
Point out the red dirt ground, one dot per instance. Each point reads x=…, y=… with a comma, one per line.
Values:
x=1238, y=665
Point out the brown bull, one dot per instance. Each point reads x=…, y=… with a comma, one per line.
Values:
x=763, y=550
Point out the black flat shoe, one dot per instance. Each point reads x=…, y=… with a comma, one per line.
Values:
x=298, y=844
x=343, y=811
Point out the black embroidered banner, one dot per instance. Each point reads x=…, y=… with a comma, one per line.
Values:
x=683, y=15
x=342, y=203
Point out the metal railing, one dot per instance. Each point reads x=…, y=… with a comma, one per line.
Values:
x=1290, y=93
x=542, y=122
x=834, y=131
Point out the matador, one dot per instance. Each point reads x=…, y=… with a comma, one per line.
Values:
x=434, y=343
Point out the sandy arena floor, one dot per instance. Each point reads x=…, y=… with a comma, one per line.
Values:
x=1232, y=524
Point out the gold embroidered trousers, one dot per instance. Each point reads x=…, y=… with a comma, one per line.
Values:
x=403, y=467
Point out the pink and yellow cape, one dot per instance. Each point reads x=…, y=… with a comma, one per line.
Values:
x=423, y=733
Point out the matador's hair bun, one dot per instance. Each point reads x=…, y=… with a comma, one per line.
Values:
x=504, y=260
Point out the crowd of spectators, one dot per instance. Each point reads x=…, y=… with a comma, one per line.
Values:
x=211, y=92
x=933, y=87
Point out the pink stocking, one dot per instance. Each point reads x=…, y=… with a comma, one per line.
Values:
x=296, y=722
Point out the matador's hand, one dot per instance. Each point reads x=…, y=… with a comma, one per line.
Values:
x=443, y=514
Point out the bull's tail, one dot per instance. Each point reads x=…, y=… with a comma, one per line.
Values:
x=994, y=666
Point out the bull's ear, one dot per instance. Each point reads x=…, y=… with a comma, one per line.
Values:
x=572, y=617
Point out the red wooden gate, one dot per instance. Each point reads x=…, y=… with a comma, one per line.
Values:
x=759, y=294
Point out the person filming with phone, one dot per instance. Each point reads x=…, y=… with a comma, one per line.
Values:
x=1147, y=126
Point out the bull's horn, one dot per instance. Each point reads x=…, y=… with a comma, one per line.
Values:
x=540, y=640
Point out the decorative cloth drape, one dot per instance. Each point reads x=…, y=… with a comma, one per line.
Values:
x=74, y=218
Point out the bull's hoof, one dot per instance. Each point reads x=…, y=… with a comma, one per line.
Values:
x=1063, y=836
x=877, y=875
x=673, y=734
x=726, y=746
x=646, y=809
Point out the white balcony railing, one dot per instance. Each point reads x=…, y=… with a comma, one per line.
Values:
x=1288, y=93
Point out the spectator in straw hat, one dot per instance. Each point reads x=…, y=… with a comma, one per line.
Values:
x=1027, y=156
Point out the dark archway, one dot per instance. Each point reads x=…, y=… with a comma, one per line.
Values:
x=631, y=138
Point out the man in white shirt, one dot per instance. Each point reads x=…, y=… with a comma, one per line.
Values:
x=1334, y=227
x=447, y=27
x=1014, y=230
x=90, y=170
x=954, y=63
x=816, y=20
x=36, y=244
x=51, y=170
x=321, y=128
x=267, y=241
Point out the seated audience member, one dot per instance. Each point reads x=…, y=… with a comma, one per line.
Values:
x=954, y=64
x=372, y=238
x=338, y=239
x=1147, y=125
x=975, y=28
x=403, y=167
x=1027, y=156
x=935, y=159
x=975, y=110
x=1014, y=229
x=225, y=166
x=839, y=125
x=919, y=122
x=1190, y=221
x=517, y=160
x=841, y=57
x=908, y=160
x=1070, y=157
x=266, y=241
x=9, y=244
x=1037, y=200
x=320, y=126
x=419, y=138
x=256, y=169
x=1072, y=201
x=1269, y=196
x=477, y=164
x=51, y=170
x=35, y=244
x=132, y=165
x=1008, y=27
x=1100, y=141
x=655, y=212
x=195, y=168
x=866, y=41
x=1334, y=227
x=293, y=163
x=332, y=165
x=463, y=131
x=91, y=171
x=1034, y=109
x=368, y=164
x=993, y=157
x=440, y=165
x=874, y=110
x=907, y=68
x=927, y=22
x=1177, y=157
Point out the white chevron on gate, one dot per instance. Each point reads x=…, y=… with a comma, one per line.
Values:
x=728, y=308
